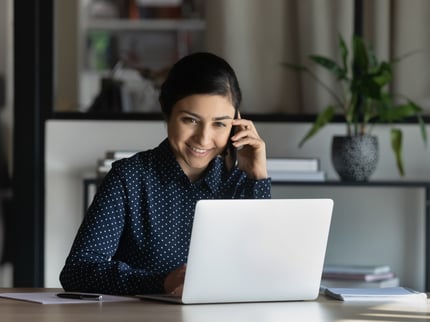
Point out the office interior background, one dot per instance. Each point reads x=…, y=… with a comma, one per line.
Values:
x=371, y=224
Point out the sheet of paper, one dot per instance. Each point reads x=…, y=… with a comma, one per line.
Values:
x=52, y=298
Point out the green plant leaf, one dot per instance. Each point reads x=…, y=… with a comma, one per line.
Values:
x=329, y=64
x=401, y=112
x=388, y=112
x=422, y=129
x=396, y=145
x=383, y=74
x=421, y=122
x=344, y=53
x=367, y=86
x=361, y=61
x=322, y=119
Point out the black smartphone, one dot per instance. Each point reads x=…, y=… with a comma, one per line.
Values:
x=231, y=149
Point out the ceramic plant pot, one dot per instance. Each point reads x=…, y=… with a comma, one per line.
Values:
x=354, y=157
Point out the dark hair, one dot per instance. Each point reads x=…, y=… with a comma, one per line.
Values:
x=199, y=73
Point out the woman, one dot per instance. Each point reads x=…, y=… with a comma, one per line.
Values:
x=135, y=236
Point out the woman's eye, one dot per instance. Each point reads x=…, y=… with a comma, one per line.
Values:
x=220, y=124
x=190, y=120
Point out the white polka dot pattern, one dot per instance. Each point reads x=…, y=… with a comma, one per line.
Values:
x=138, y=226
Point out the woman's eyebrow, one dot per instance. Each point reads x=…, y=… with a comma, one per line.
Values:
x=220, y=118
x=192, y=114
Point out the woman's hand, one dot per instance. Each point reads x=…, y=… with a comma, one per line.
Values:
x=174, y=282
x=251, y=149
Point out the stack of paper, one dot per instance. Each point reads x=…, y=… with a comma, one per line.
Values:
x=375, y=294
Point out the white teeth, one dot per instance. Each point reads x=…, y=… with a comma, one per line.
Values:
x=198, y=150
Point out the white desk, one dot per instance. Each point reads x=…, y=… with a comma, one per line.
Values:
x=314, y=311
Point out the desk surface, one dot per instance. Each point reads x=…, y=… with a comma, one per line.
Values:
x=321, y=310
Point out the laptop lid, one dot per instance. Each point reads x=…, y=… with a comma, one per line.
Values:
x=256, y=250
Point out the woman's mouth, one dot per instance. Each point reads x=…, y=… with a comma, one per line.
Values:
x=199, y=151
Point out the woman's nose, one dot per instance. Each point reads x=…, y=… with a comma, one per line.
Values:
x=204, y=134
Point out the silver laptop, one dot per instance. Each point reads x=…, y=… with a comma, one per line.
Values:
x=255, y=250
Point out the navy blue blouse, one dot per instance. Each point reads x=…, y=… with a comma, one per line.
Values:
x=138, y=226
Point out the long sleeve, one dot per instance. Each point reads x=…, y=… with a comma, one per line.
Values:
x=239, y=186
x=92, y=265
x=257, y=189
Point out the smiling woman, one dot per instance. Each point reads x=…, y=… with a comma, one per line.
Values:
x=134, y=238
x=198, y=131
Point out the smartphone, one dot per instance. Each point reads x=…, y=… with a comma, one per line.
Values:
x=232, y=150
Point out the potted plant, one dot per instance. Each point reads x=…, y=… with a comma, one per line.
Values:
x=364, y=102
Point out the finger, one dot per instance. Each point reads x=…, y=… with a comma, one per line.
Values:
x=244, y=125
x=245, y=131
x=178, y=291
x=247, y=141
x=248, y=127
x=180, y=272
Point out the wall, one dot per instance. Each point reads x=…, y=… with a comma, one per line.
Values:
x=66, y=55
x=6, y=70
x=370, y=225
x=6, y=111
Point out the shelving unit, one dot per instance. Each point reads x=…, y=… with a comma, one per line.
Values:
x=151, y=44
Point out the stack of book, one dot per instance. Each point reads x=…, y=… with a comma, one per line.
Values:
x=104, y=165
x=295, y=169
x=359, y=276
x=376, y=294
